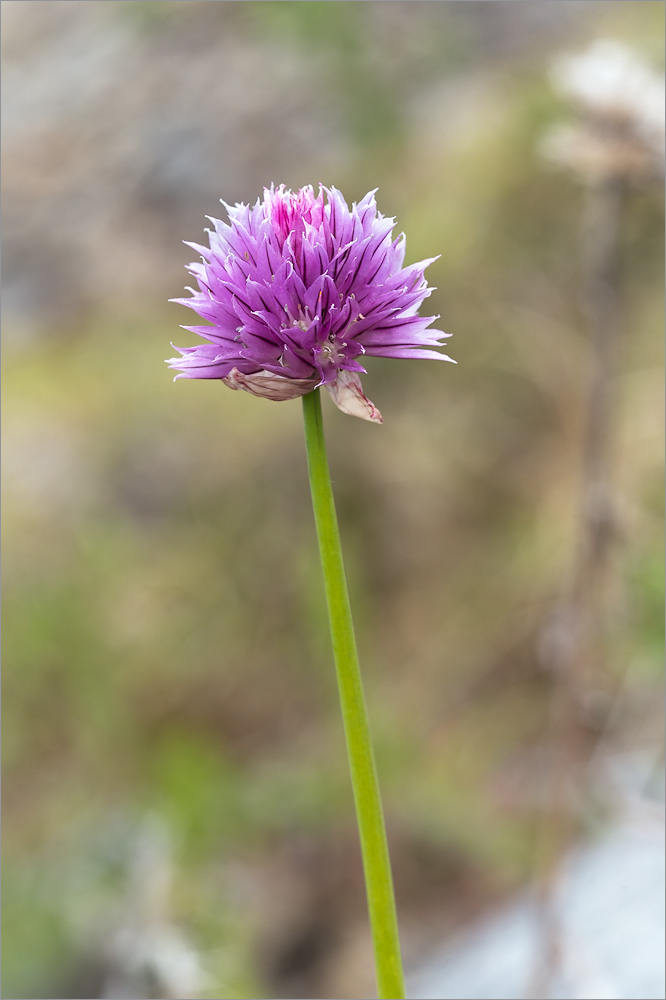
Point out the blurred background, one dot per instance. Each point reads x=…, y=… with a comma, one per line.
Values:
x=178, y=817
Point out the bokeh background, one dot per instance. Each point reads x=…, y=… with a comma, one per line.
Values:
x=175, y=778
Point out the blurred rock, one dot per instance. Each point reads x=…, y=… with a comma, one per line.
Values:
x=607, y=916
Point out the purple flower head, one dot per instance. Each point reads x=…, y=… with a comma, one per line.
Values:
x=297, y=290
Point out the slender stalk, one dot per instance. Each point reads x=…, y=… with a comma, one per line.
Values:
x=372, y=831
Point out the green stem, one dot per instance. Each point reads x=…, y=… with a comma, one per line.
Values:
x=372, y=832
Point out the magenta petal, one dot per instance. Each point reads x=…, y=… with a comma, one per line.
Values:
x=407, y=351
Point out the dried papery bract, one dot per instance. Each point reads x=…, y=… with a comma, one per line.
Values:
x=298, y=290
x=270, y=386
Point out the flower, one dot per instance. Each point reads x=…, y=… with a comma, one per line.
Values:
x=620, y=132
x=298, y=288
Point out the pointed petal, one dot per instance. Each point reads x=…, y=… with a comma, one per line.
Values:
x=407, y=351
